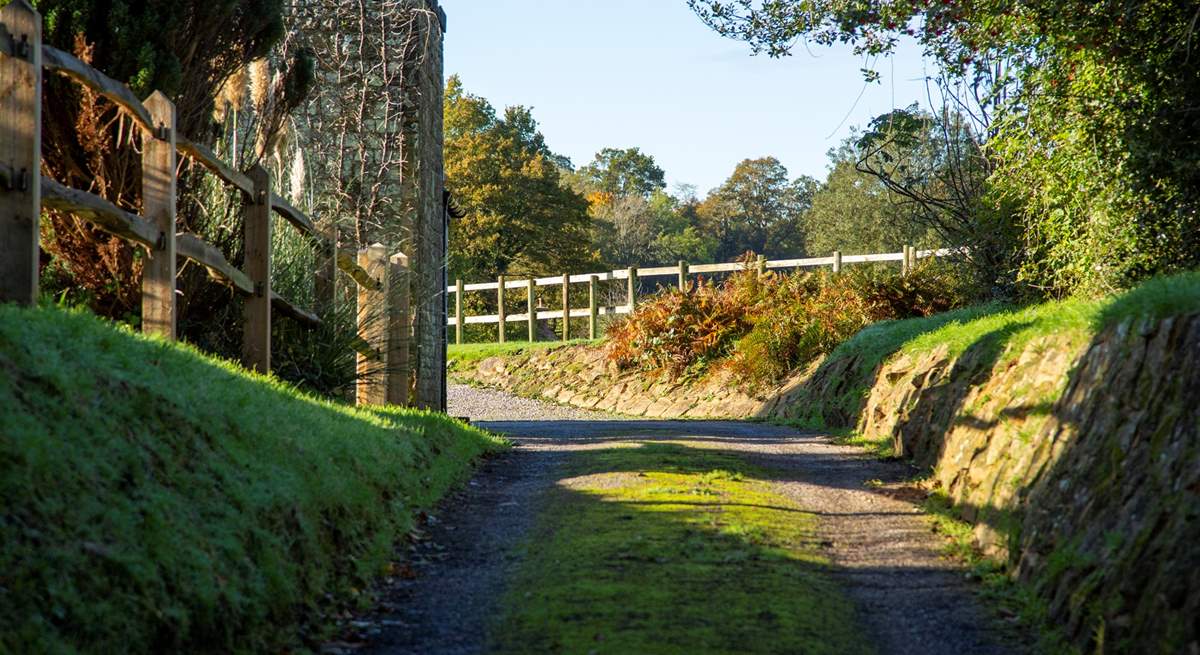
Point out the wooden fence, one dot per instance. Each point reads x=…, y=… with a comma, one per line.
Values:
x=24, y=192
x=907, y=258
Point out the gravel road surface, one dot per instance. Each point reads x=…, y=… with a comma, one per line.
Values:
x=909, y=598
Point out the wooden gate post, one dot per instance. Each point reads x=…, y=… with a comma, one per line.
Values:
x=566, y=299
x=531, y=312
x=458, y=311
x=256, y=311
x=837, y=261
x=683, y=275
x=631, y=288
x=593, y=309
x=399, y=332
x=325, y=283
x=20, y=153
x=500, y=308
x=371, y=386
x=158, y=205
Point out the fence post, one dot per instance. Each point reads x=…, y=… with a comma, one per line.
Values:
x=683, y=274
x=631, y=288
x=158, y=205
x=325, y=284
x=837, y=261
x=457, y=311
x=593, y=309
x=399, y=331
x=761, y=265
x=256, y=311
x=371, y=387
x=500, y=307
x=20, y=154
x=904, y=262
x=531, y=312
x=566, y=299
x=912, y=258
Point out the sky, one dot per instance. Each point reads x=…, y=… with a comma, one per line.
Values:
x=649, y=74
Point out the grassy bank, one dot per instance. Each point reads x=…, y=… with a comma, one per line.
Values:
x=153, y=499
x=1003, y=330
x=470, y=353
x=635, y=551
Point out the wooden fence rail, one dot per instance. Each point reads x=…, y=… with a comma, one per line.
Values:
x=24, y=193
x=907, y=258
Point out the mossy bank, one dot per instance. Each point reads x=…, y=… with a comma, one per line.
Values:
x=1066, y=433
x=154, y=500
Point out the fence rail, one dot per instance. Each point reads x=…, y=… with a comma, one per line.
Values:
x=682, y=271
x=24, y=193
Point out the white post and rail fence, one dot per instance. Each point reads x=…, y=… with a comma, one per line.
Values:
x=533, y=313
x=384, y=373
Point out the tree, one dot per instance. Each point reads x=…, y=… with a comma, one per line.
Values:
x=1088, y=108
x=623, y=172
x=519, y=216
x=758, y=208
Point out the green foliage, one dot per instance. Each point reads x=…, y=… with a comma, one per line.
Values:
x=645, y=538
x=758, y=209
x=623, y=172
x=520, y=217
x=167, y=45
x=155, y=500
x=1089, y=110
x=854, y=212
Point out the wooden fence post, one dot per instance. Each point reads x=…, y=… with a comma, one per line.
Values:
x=399, y=331
x=325, y=284
x=761, y=265
x=371, y=386
x=837, y=261
x=256, y=312
x=593, y=309
x=531, y=312
x=458, y=311
x=683, y=275
x=566, y=308
x=500, y=307
x=158, y=205
x=631, y=288
x=20, y=153
x=904, y=262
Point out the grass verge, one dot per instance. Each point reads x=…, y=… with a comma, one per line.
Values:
x=153, y=499
x=470, y=353
x=662, y=548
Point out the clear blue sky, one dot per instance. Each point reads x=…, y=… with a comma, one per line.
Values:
x=648, y=73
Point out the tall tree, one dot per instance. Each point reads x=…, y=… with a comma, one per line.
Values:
x=519, y=216
x=1089, y=109
x=758, y=209
x=623, y=172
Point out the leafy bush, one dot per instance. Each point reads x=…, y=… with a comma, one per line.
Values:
x=763, y=328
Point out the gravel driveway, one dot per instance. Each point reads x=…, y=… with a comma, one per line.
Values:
x=909, y=599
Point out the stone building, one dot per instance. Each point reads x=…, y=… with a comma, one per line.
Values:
x=371, y=134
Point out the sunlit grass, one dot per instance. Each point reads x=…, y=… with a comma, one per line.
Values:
x=153, y=499
x=671, y=549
